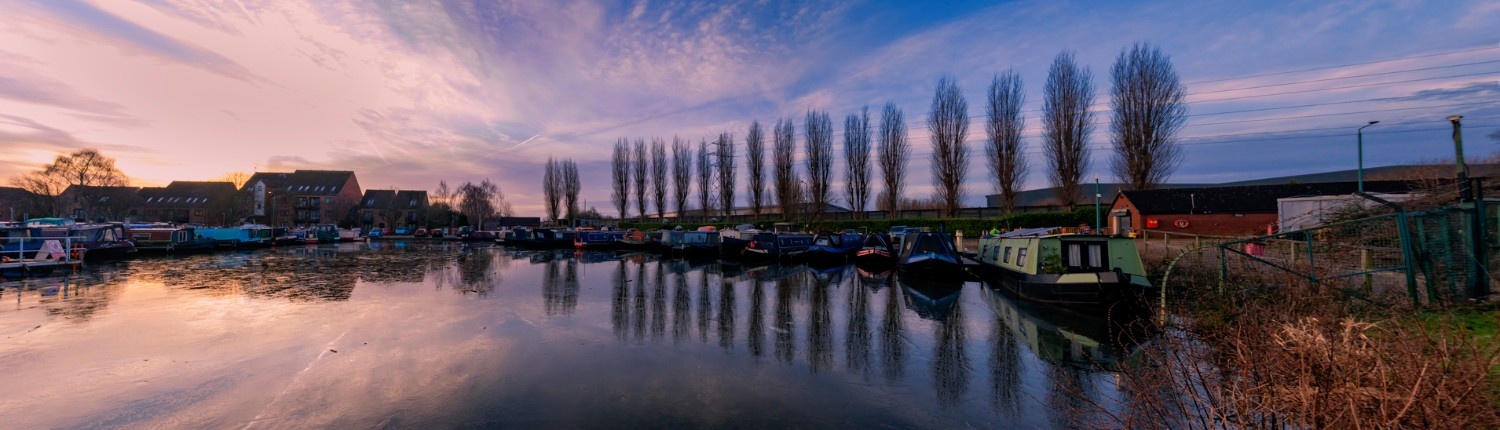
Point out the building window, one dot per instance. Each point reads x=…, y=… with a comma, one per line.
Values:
x=198, y=212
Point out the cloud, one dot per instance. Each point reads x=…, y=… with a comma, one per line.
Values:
x=111, y=29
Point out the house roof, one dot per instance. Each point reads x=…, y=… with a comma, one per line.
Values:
x=186, y=193
x=381, y=199
x=13, y=193
x=303, y=182
x=1245, y=199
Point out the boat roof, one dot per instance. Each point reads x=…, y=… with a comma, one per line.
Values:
x=1030, y=232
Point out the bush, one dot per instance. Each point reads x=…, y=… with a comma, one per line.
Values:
x=1080, y=215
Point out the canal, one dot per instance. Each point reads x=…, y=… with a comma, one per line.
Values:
x=392, y=334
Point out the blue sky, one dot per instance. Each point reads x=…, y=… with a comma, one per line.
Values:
x=408, y=93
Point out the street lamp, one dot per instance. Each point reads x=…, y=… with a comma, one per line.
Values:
x=1360, y=136
x=1098, y=217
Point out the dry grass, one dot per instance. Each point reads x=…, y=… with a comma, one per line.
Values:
x=1296, y=355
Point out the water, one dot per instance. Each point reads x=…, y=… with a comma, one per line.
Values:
x=443, y=335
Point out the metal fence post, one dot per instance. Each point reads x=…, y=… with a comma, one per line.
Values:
x=1408, y=258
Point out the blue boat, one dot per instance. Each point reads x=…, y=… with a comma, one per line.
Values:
x=167, y=238
x=836, y=248
x=876, y=251
x=593, y=239
x=778, y=246
x=245, y=236
x=929, y=255
x=702, y=243
x=101, y=241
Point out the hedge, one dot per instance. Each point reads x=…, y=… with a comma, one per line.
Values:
x=1080, y=215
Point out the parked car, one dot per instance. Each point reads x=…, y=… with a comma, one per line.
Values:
x=375, y=232
x=437, y=232
x=421, y=232
x=404, y=231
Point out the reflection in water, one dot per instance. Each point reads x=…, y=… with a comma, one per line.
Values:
x=1045, y=365
x=756, y=338
x=681, y=303
x=857, y=338
x=786, y=290
x=726, y=314
x=950, y=366
x=819, y=329
x=892, y=334
x=658, y=304
x=704, y=304
x=619, y=312
x=638, y=317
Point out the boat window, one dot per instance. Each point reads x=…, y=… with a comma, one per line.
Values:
x=1096, y=255
x=1085, y=256
x=1021, y=257
x=1075, y=255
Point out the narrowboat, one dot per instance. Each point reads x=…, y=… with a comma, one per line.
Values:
x=1068, y=269
x=777, y=246
x=734, y=241
x=519, y=237
x=245, y=236
x=635, y=239
x=546, y=238
x=836, y=248
x=25, y=253
x=594, y=239
x=284, y=237
x=875, y=251
x=929, y=255
x=102, y=241
x=325, y=233
x=171, y=239
x=702, y=243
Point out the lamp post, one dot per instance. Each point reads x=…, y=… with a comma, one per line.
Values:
x=1360, y=137
x=1098, y=217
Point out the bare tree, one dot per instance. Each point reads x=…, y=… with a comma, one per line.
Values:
x=642, y=168
x=659, y=176
x=571, y=187
x=818, y=144
x=552, y=188
x=725, y=156
x=1065, y=124
x=1005, y=124
x=480, y=201
x=1150, y=107
x=620, y=171
x=682, y=174
x=788, y=192
x=705, y=179
x=440, y=206
x=893, y=154
x=755, y=148
x=88, y=170
x=948, y=122
x=857, y=159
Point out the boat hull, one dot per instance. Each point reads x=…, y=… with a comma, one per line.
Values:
x=1080, y=290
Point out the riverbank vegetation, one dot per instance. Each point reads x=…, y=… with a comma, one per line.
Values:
x=1271, y=351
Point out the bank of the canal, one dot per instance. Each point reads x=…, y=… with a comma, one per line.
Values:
x=442, y=335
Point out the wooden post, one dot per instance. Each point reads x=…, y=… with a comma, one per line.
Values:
x=1364, y=263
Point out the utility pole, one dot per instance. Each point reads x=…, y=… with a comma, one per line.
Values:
x=1466, y=192
x=1098, y=217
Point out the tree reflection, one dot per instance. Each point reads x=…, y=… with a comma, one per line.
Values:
x=659, y=304
x=785, y=293
x=1005, y=366
x=950, y=365
x=726, y=313
x=619, y=310
x=704, y=305
x=755, y=340
x=892, y=344
x=857, y=338
x=819, y=329
x=638, y=314
x=681, y=306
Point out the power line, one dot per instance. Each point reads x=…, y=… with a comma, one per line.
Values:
x=1313, y=90
x=1438, y=54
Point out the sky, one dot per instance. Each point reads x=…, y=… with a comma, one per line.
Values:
x=408, y=93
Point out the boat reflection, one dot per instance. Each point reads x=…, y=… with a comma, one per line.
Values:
x=1070, y=338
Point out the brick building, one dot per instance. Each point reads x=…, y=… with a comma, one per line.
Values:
x=303, y=197
x=1221, y=210
x=392, y=209
x=99, y=203
x=16, y=203
x=196, y=202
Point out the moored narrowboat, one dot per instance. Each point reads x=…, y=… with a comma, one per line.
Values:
x=702, y=243
x=838, y=247
x=594, y=239
x=876, y=251
x=170, y=239
x=929, y=255
x=777, y=246
x=1068, y=269
x=734, y=241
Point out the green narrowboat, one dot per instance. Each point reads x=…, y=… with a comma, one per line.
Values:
x=1069, y=269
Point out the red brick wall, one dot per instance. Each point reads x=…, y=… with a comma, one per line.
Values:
x=1216, y=224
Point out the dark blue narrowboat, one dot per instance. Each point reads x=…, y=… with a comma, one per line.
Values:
x=929, y=255
x=834, y=248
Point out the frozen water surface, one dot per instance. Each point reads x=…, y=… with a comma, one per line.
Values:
x=447, y=335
